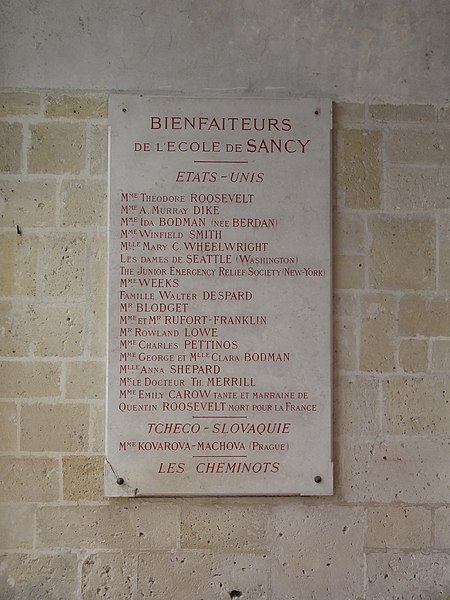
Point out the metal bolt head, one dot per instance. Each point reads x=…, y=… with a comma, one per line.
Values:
x=120, y=481
x=317, y=478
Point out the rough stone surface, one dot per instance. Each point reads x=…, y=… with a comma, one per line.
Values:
x=442, y=527
x=412, y=113
x=64, y=266
x=57, y=148
x=345, y=345
x=444, y=253
x=413, y=355
x=83, y=203
x=16, y=525
x=416, y=145
x=412, y=187
x=356, y=406
x=377, y=345
x=38, y=577
x=19, y=259
x=424, y=316
x=346, y=113
x=32, y=379
x=440, y=355
x=83, y=477
x=348, y=233
x=108, y=575
x=28, y=479
x=77, y=107
x=27, y=203
x=361, y=168
x=412, y=576
x=398, y=527
x=8, y=426
x=10, y=151
x=403, y=253
x=85, y=380
x=349, y=272
x=99, y=150
x=19, y=103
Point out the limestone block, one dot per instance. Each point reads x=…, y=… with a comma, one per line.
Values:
x=345, y=113
x=356, y=406
x=318, y=551
x=57, y=148
x=412, y=187
x=98, y=158
x=402, y=253
x=19, y=103
x=442, y=527
x=108, y=575
x=344, y=345
x=83, y=203
x=42, y=330
x=360, y=176
x=27, y=203
x=444, y=253
x=85, y=379
x=28, y=479
x=115, y=526
x=418, y=145
x=440, y=355
x=414, y=576
x=97, y=428
x=408, y=113
x=411, y=470
x=444, y=114
x=413, y=355
x=54, y=427
x=18, y=259
x=398, y=527
x=377, y=344
x=416, y=406
x=64, y=259
x=424, y=316
x=345, y=305
x=16, y=525
x=29, y=379
x=97, y=295
x=8, y=426
x=348, y=233
x=83, y=477
x=349, y=272
x=38, y=577
x=11, y=148
x=198, y=574
x=209, y=526
x=77, y=106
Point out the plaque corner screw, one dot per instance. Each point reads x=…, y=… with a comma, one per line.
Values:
x=120, y=481
x=317, y=111
x=124, y=110
x=317, y=478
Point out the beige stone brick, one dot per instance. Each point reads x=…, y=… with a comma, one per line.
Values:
x=440, y=355
x=345, y=305
x=416, y=406
x=29, y=379
x=27, y=204
x=83, y=203
x=346, y=113
x=412, y=470
x=63, y=258
x=57, y=148
x=54, y=427
x=38, y=577
x=108, y=575
x=377, y=344
x=360, y=177
x=349, y=272
x=402, y=253
x=411, y=145
x=410, y=187
x=198, y=574
x=444, y=114
x=97, y=428
x=317, y=550
x=28, y=479
x=402, y=112
x=16, y=526
x=99, y=150
x=11, y=147
x=356, y=406
x=18, y=259
x=19, y=103
x=398, y=527
x=348, y=233
x=77, y=106
x=83, y=477
x=444, y=253
x=424, y=316
x=8, y=427
x=207, y=526
x=442, y=527
x=42, y=330
x=411, y=576
x=97, y=296
x=132, y=525
x=85, y=379
x=413, y=355
x=344, y=345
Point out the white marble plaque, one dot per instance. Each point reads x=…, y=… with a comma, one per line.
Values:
x=219, y=334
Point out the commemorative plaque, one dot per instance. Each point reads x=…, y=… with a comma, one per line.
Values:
x=219, y=316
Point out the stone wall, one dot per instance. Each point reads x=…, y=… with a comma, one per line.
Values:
x=384, y=534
